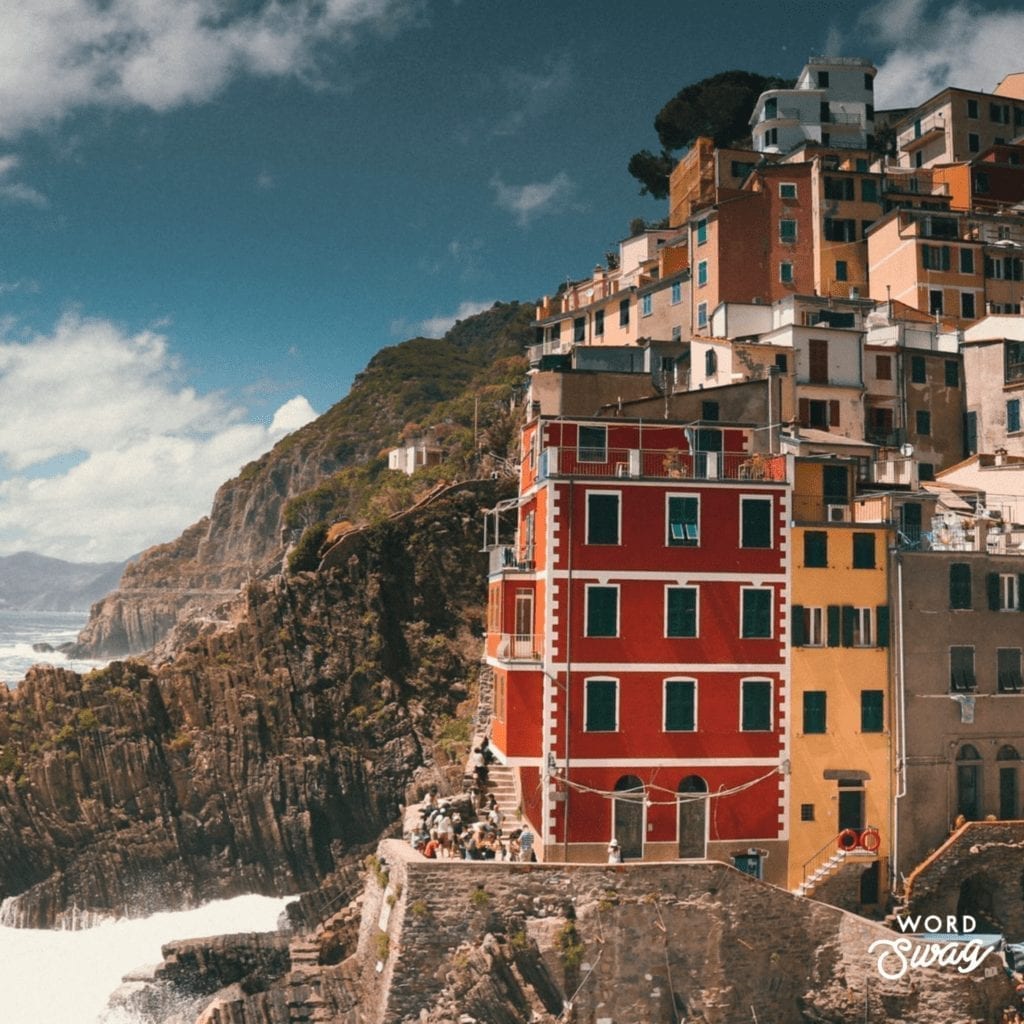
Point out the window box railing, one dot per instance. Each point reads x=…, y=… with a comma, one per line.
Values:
x=520, y=647
x=661, y=463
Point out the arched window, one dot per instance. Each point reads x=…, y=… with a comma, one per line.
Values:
x=693, y=815
x=968, y=782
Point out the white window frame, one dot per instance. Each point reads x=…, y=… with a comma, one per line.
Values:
x=664, y=704
x=618, y=528
x=676, y=294
x=618, y=609
x=667, y=533
x=863, y=627
x=646, y=304
x=771, y=613
x=702, y=314
x=702, y=273
x=696, y=609
x=787, y=185
x=1009, y=592
x=771, y=703
x=814, y=626
x=770, y=502
x=586, y=701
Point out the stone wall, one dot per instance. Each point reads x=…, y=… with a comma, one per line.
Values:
x=641, y=942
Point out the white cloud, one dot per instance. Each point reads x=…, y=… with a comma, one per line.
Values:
x=931, y=47
x=105, y=450
x=534, y=93
x=526, y=202
x=436, y=326
x=16, y=191
x=58, y=56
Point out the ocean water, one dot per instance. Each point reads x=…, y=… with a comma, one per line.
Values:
x=20, y=630
x=67, y=977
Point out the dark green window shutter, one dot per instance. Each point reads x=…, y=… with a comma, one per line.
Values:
x=1020, y=592
x=814, y=711
x=992, y=588
x=757, y=705
x=601, y=705
x=683, y=521
x=679, y=706
x=798, y=626
x=602, y=611
x=682, y=611
x=816, y=549
x=871, y=711
x=833, y=625
x=756, y=526
x=602, y=519
x=960, y=585
x=863, y=551
x=757, y=613
x=848, y=621
x=882, y=625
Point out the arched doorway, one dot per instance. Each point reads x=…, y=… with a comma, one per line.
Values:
x=1009, y=800
x=693, y=814
x=628, y=824
x=968, y=782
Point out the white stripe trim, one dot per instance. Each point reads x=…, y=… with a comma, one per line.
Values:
x=629, y=575
x=653, y=762
x=617, y=668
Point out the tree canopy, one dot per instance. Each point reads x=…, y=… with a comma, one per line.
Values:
x=719, y=107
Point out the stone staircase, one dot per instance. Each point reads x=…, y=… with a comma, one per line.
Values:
x=823, y=872
x=502, y=786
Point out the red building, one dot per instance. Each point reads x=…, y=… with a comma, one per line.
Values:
x=638, y=635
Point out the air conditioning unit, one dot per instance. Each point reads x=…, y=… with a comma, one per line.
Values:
x=837, y=513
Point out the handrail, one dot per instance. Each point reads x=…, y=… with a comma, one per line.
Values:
x=837, y=844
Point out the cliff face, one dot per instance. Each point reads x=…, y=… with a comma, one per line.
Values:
x=265, y=752
x=258, y=514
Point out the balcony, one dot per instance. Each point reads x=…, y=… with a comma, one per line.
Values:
x=661, y=463
x=504, y=558
x=549, y=348
x=817, y=508
x=520, y=647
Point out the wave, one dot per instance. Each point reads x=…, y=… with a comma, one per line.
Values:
x=19, y=631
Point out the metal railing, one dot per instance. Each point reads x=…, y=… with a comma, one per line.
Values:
x=672, y=464
x=504, y=558
x=520, y=646
x=849, y=840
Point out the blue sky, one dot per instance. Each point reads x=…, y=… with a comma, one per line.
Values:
x=213, y=212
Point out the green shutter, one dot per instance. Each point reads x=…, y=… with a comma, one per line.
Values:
x=756, y=530
x=992, y=587
x=602, y=611
x=871, y=711
x=848, y=620
x=882, y=625
x=602, y=519
x=833, y=625
x=797, y=631
x=679, y=706
x=757, y=705
x=815, y=711
x=1020, y=592
x=601, y=705
x=757, y=613
x=682, y=611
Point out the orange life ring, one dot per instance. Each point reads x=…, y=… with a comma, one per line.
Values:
x=870, y=839
x=848, y=839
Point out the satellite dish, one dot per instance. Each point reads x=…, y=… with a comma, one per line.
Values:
x=906, y=449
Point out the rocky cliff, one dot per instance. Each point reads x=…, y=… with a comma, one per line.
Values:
x=282, y=738
x=331, y=469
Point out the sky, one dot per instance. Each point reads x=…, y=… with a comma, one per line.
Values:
x=213, y=212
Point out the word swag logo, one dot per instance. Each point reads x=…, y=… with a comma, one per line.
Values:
x=932, y=948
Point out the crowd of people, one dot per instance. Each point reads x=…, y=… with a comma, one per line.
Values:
x=442, y=834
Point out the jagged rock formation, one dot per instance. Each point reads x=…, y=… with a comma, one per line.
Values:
x=267, y=507
x=266, y=752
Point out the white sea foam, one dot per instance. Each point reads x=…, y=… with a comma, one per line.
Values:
x=20, y=630
x=67, y=977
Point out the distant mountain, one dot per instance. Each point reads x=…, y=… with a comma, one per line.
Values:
x=30, y=582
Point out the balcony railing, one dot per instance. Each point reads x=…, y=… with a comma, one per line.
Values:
x=549, y=348
x=505, y=559
x=671, y=464
x=520, y=647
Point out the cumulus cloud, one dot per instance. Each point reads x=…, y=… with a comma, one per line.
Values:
x=526, y=202
x=105, y=450
x=931, y=46
x=435, y=326
x=16, y=191
x=58, y=56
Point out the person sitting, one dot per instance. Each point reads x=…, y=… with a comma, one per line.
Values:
x=514, y=849
x=432, y=847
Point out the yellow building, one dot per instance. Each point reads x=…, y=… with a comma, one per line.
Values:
x=841, y=711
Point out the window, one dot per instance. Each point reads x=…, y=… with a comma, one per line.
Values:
x=710, y=363
x=973, y=142
x=709, y=411
x=601, y=705
x=680, y=611
x=923, y=422
x=807, y=812
x=787, y=231
x=603, y=517
x=961, y=670
x=771, y=137
x=823, y=79
x=808, y=626
x=1013, y=416
x=1008, y=670
x=935, y=257
x=740, y=168
x=842, y=270
x=680, y=705
x=872, y=711
x=702, y=315
x=815, y=549
x=960, y=585
x=683, y=521
x=781, y=362
x=981, y=184
x=756, y=613
x=918, y=373
x=935, y=301
x=771, y=108
x=602, y=611
x=926, y=470
x=999, y=113
x=624, y=313
x=787, y=190
x=838, y=188
x=646, y=305
x=599, y=322
x=814, y=711
x=756, y=708
x=755, y=522
x=863, y=551
x=579, y=329
x=1013, y=354
x=869, y=190
x=972, y=108
x=967, y=305
x=786, y=273
x=861, y=634
x=677, y=293
x=971, y=432
x=702, y=232
x=817, y=359
x=592, y=444
x=952, y=373
x=966, y=261
x=840, y=229
x=1003, y=591
x=702, y=273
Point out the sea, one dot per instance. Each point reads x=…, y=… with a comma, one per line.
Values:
x=68, y=977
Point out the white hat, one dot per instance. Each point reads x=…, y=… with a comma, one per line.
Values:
x=614, y=842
